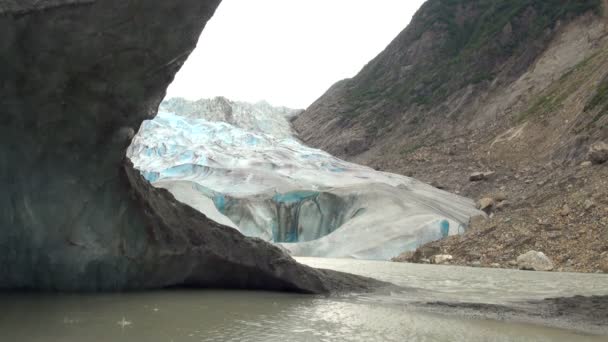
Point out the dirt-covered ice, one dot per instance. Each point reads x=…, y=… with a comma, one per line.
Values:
x=276, y=188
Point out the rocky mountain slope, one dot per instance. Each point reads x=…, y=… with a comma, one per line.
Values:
x=518, y=88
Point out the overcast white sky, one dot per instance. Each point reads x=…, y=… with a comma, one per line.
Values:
x=288, y=52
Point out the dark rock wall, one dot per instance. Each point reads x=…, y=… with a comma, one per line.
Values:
x=77, y=79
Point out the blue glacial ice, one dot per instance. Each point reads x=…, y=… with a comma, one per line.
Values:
x=253, y=175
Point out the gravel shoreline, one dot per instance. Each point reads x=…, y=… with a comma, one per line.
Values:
x=587, y=315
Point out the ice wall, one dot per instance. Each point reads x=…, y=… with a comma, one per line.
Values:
x=279, y=190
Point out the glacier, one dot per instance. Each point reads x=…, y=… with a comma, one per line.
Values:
x=242, y=166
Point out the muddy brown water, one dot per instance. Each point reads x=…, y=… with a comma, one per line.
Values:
x=212, y=315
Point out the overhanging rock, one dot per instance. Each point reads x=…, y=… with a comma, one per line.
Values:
x=77, y=80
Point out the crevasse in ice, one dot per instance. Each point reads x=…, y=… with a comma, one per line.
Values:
x=253, y=175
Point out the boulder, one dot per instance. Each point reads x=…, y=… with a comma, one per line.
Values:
x=500, y=196
x=404, y=257
x=486, y=204
x=424, y=253
x=476, y=177
x=481, y=176
x=598, y=153
x=534, y=261
x=489, y=175
x=441, y=259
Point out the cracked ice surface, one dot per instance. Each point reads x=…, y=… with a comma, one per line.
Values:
x=280, y=190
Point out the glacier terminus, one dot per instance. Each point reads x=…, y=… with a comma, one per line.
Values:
x=241, y=165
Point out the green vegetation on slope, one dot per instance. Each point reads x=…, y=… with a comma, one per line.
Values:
x=543, y=105
x=551, y=99
x=476, y=38
x=600, y=99
x=493, y=15
x=475, y=46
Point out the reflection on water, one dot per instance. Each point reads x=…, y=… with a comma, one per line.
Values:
x=181, y=315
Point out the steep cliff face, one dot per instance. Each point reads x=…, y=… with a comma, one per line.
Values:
x=509, y=86
x=78, y=78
